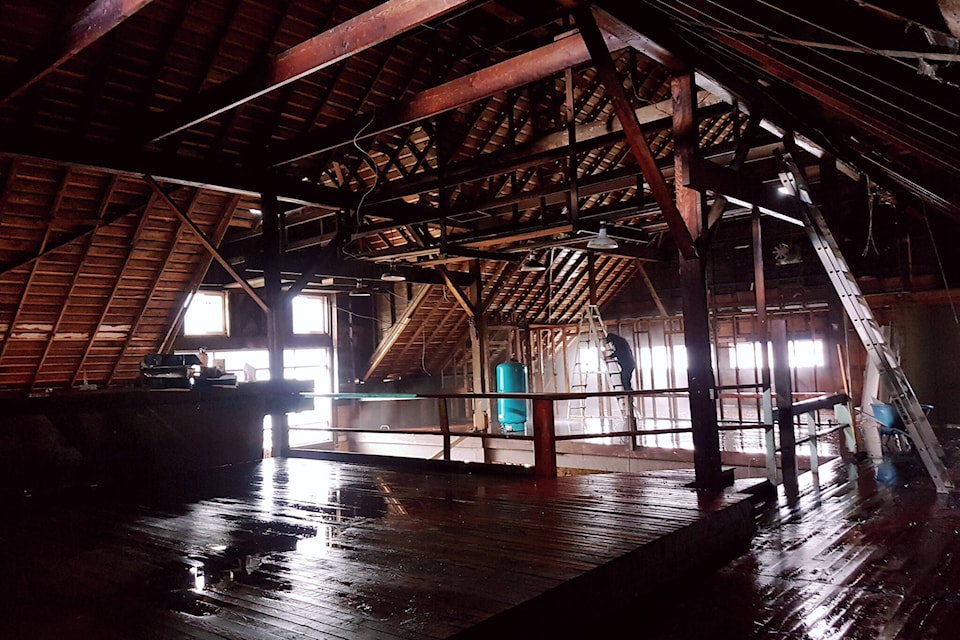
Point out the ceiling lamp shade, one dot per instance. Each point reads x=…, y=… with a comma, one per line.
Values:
x=392, y=275
x=360, y=291
x=602, y=241
x=531, y=264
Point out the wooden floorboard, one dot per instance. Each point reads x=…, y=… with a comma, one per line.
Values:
x=863, y=552
x=317, y=549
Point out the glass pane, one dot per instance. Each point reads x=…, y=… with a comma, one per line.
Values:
x=206, y=315
x=311, y=314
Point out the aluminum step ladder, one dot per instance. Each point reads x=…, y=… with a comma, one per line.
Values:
x=605, y=373
x=902, y=396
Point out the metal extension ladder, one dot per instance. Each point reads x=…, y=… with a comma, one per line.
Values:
x=607, y=374
x=902, y=396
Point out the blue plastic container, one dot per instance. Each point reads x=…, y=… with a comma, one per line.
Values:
x=511, y=412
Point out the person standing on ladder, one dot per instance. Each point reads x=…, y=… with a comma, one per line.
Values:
x=624, y=357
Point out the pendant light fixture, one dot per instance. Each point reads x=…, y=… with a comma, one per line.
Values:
x=602, y=241
x=360, y=292
x=392, y=275
x=531, y=264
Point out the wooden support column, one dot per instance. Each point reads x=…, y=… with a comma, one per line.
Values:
x=276, y=313
x=544, y=439
x=762, y=334
x=478, y=346
x=696, y=321
x=784, y=389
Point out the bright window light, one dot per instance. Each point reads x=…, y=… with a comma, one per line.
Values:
x=589, y=359
x=206, y=315
x=803, y=354
x=806, y=354
x=311, y=314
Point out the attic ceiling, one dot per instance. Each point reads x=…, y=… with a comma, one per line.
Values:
x=437, y=136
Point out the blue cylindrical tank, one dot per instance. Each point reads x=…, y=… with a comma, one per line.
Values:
x=511, y=412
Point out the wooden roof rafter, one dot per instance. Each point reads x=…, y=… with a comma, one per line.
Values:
x=96, y=20
x=21, y=307
x=510, y=74
x=84, y=256
x=369, y=29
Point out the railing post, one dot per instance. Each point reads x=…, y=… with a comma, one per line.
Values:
x=770, y=435
x=544, y=439
x=812, y=434
x=444, y=426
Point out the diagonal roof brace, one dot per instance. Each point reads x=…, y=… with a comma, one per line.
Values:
x=358, y=34
x=628, y=119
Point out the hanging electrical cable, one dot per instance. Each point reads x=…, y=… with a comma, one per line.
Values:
x=943, y=273
x=871, y=200
x=370, y=162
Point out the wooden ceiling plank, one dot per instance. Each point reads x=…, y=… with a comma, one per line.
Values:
x=85, y=253
x=208, y=244
x=369, y=29
x=125, y=265
x=182, y=171
x=395, y=332
x=92, y=23
x=509, y=74
x=219, y=231
x=103, y=221
x=628, y=120
x=54, y=209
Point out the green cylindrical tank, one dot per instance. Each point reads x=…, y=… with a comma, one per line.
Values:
x=511, y=412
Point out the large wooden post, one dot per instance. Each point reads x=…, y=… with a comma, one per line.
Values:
x=696, y=328
x=276, y=315
x=784, y=390
x=478, y=346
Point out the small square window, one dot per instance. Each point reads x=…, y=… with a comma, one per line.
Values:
x=206, y=315
x=311, y=314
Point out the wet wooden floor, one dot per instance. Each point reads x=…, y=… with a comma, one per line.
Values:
x=865, y=554
x=316, y=549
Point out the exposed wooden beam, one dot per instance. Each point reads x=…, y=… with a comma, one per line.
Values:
x=651, y=289
x=105, y=310
x=709, y=176
x=613, y=87
x=85, y=252
x=174, y=170
x=739, y=158
x=207, y=244
x=169, y=256
x=549, y=148
x=693, y=289
x=458, y=295
x=31, y=278
x=358, y=34
x=326, y=254
x=79, y=235
x=93, y=22
x=175, y=321
x=509, y=74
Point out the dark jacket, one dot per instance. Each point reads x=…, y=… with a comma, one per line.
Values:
x=622, y=351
